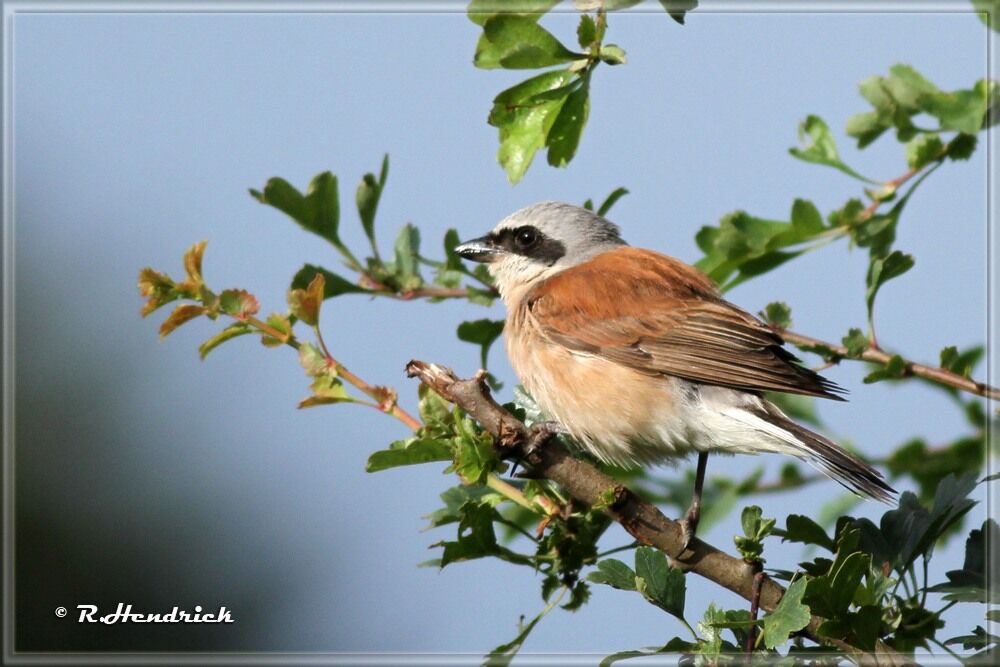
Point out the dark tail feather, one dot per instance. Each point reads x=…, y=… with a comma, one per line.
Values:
x=832, y=460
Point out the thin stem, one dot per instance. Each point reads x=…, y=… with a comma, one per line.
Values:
x=878, y=356
x=624, y=547
x=952, y=653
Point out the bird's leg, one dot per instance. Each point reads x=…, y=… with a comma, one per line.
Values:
x=689, y=524
x=538, y=435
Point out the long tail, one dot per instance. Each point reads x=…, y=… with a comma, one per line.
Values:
x=829, y=458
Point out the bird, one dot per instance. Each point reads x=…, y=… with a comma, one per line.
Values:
x=638, y=358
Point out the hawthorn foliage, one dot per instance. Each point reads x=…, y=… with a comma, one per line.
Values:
x=868, y=580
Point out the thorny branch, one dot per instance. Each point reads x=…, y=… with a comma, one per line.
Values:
x=640, y=519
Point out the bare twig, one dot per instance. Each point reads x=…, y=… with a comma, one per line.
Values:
x=589, y=485
x=878, y=356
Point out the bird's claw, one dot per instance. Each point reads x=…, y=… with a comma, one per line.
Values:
x=689, y=525
x=539, y=434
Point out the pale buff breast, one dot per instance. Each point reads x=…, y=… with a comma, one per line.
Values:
x=617, y=414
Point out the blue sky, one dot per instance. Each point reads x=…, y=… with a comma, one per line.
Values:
x=136, y=135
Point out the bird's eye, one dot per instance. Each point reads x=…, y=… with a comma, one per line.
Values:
x=525, y=237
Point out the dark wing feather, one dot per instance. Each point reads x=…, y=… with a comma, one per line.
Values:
x=665, y=318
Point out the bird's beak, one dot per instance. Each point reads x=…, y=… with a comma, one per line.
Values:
x=483, y=249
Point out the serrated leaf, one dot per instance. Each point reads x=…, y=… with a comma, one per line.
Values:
x=281, y=325
x=481, y=332
x=407, y=252
x=524, y=115
x=181, y=314
x=924, y=149
x=802, y=529
x=563, y=137
x=614, y=573
x=856, y=343
x=806, y=218
x=409, y=452
x=778, y=314
x=312, y=360
x=305, y=304
x=882, y=270
x=659, y=583
x=789, y=616
x=230, y=332
x=962, y=147
x=894, y=369
x=157, y=287
x=192, y=263
x=586, y=31
x=515, y=41
x=238, y=303
x=318, y=211
x=819, y=147
x=367, y=198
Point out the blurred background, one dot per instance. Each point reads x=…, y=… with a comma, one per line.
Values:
x=148, y=477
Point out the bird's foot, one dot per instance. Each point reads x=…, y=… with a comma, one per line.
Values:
x=539, y=434
x=689, y=524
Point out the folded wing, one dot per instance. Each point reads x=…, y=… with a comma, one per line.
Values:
x=660, y=316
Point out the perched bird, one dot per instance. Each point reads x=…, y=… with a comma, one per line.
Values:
x=638, y=358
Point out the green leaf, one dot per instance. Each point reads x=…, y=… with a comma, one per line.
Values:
x=856, y=343
x=799, y=528
x=230, y=332
x=894, y=369
x=866, y=127
x=614, y=573
x=502, y=655
x=481, y=10
x=612, y=54
x=924, y=149
x=806, y=218
x=524, y=114
x=677, y=9
x=961, y=363
x=961, y=110
x=927, y=465
x=971, y=583
x=907, y=86
x=407, y=251
x=659, y=583
x=961, y=147
x=318, y=211
x=988, y=12
x=481, y=332
x=475, y=455
x=610, y=201
x=367, y=197
x=181, y=314
x=819, y=147
x=881, y=271
x=280, y=324
x=586, y=32
x=238, y=303
x=515, y=41
x=409, y=452
x=334, y=285
x=789, y=616
x=778, y=314
x=567, y=128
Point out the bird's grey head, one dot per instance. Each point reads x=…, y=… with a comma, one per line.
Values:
x=540, y=240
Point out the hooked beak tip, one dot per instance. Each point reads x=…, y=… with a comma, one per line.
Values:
x=478, y=250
